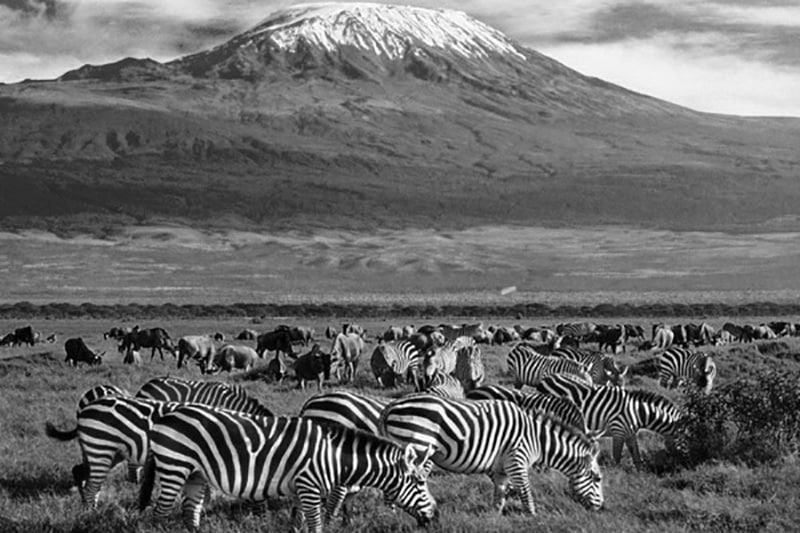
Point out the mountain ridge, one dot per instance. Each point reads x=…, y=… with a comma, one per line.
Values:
x=285, y=138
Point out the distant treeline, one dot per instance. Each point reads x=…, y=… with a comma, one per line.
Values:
x=22, y=310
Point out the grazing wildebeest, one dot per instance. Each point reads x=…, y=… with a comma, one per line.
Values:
x=8, y=340
x=229, y=357
x=200, y=348
x=738, y=333
x=612, y=337
x=313, y=366
x=274, y=341
x=153, y=338
x=25, y=335
x=116, y=333
x=78, y=352
x=783, y=329
x=345, y=353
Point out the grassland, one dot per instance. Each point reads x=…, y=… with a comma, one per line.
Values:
x=36, y=492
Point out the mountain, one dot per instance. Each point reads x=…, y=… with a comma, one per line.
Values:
x=364, y=115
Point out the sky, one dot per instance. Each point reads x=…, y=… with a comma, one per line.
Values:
x=728, y=56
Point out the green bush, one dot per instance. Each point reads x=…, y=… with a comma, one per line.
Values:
x=753, y=421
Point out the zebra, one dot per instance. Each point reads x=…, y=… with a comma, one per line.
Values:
x=212, y=393
x=564, y=409
x=100, y=391
x=679, y=365
x=251, y=458
x=579, y=331
x=529, y=367
x=616, y=412
x=109, y=430
x=443, y=358
x=444, y=385
x=391, y=361
x=497, y=438
x=470, y=370
x=603, y=368
x=350, y=410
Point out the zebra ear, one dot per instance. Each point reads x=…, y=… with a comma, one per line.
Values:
x=409, y=456
x=428, y=453
x=625, y=372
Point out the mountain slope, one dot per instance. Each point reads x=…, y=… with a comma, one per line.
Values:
x=352, y=115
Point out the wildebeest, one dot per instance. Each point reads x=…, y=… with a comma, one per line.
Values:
x=153, y=338
x=738, y=333
x=612, y=337
x=116, y=333
x=78, y=352
x=274, y=341
x=200, y=348
x=231, y=356
x=246, y=335
x=345, y=352
x=313, y=366
x=24, y=335
x=8, y=340
x=331, y=332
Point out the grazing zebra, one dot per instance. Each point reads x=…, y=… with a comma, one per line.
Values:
x=391, y=362
x=616, y=412
x=252, y=458
x=444, y=385
x=211, y=393
x=497, y=438
x=562, y=408
x=109, y=430
x=529, y=367
x=603, y=368
x=100, y=391
x=579, y=331
x=350, y=410
x=679, y=365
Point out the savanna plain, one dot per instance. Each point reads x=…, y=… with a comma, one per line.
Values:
x=37, y=492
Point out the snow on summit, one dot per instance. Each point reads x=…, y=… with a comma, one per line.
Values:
x=385, y=30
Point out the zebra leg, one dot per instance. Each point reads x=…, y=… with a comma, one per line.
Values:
x=336, y=503
x=500, y=480
x=616, y=450
x=80, y=472
x=193, y=494
x=311, y=506
x=517, y=468
x=633, y=447
x=134, y=473
x=96, y=474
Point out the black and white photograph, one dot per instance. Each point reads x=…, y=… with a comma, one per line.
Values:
x=444, y=266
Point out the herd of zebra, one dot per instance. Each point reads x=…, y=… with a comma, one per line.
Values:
x=189, y=436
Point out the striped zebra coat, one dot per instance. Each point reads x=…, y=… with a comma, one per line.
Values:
x=677, y=366
x=533, y=402
x=252, y=458
x=350, y=410
x=98, y=392
x=444, y=385
x=497, y=438
x=529, y=367
x=393, y=362
x=603, y=368
x=110, y=429
x=443, y=358
x=616, y=412
x=211, y=393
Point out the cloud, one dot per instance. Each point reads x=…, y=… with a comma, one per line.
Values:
x=714, y=83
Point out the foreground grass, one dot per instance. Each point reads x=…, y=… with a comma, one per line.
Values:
x=36, y=492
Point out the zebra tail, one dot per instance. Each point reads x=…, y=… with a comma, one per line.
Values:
x=55, y=433
x=148, y=481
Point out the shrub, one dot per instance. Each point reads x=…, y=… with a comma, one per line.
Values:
x=753, y=421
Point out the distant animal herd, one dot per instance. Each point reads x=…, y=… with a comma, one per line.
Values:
x=190, y=434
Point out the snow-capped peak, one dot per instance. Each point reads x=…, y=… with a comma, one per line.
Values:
x=386, y=30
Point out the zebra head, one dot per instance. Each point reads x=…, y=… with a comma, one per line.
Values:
x=705, y=372
x=410, y=490
x=587, y=483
